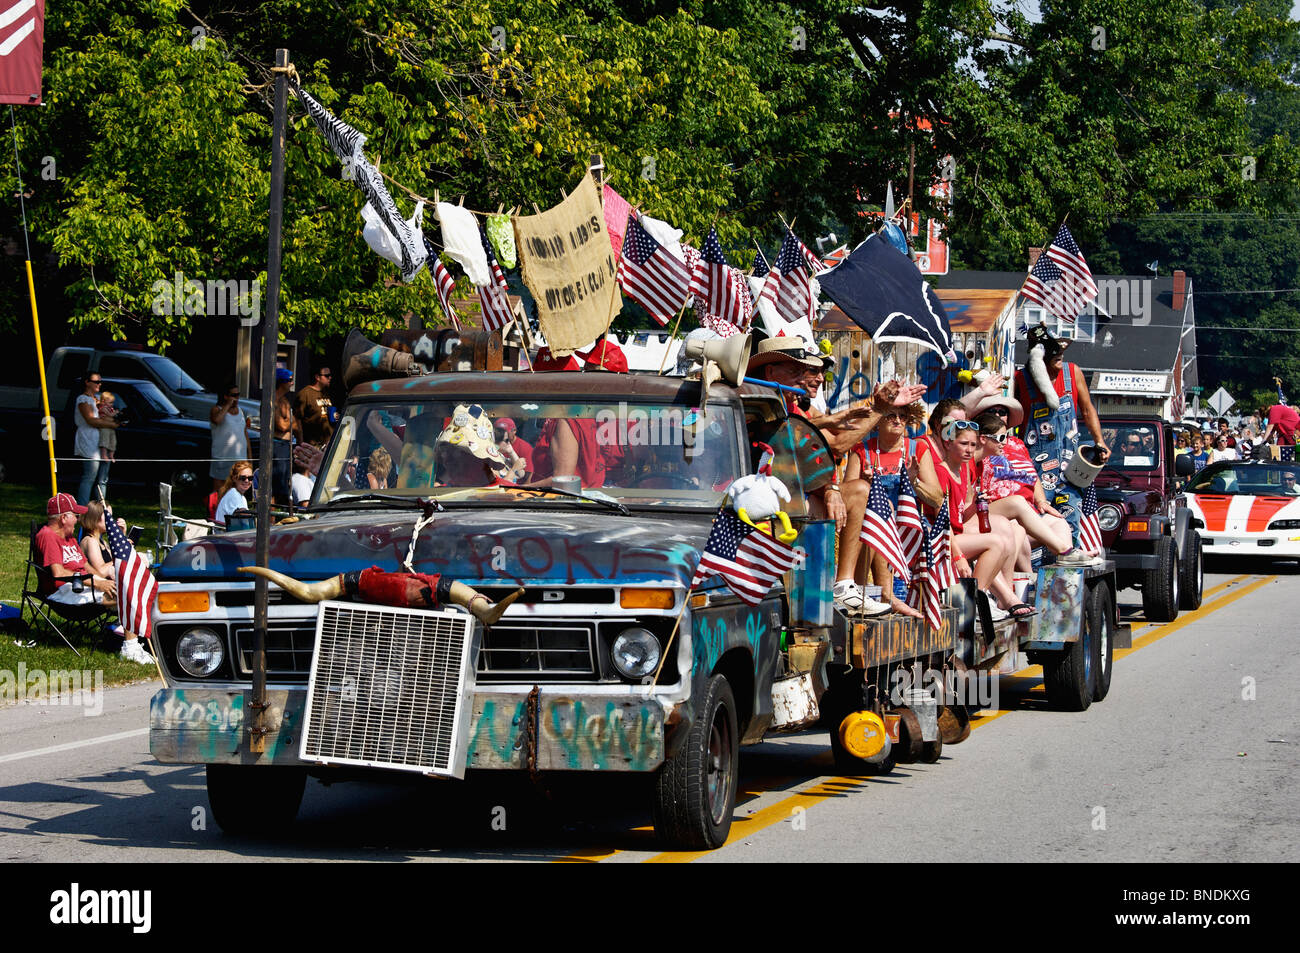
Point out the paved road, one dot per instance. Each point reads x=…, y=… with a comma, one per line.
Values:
x=1180, y=763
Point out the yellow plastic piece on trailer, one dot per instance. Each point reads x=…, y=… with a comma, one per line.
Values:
x=863, y=735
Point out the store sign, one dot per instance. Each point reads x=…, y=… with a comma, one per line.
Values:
x=1114, y=382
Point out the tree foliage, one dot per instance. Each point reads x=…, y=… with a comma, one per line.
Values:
x=732, y=113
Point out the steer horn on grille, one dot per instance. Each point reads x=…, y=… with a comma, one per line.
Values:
x=405, y=590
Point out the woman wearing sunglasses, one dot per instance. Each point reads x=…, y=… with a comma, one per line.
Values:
x=994, y=552
x=1012, y=488
x=234, y=492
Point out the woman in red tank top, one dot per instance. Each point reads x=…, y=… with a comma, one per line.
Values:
x=994, y=552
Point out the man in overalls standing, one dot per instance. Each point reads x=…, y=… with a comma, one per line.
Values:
x=1055, y=399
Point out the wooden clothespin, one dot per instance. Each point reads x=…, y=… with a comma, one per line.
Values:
x=563, y=194
x=461, y=202
x=536, y=209
x=437, y=198
x=499, y=208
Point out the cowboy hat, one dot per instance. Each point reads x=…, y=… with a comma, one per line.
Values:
x=791, y=349
x=1014, y=419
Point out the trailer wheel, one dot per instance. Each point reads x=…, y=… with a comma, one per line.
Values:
x=253, y=799
x=695, y=792
x=931, y=751
x=1160, y=585
x=1191, y=580
x=1101, y=625
x=1069, y=675
x=909, y=747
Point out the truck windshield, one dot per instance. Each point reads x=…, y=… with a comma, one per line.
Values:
x=1132, y=446
x=172, y=375
x=641, y=454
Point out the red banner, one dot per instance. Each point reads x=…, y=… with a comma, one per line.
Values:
x=22, y=43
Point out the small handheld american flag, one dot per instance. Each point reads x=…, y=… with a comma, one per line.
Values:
x=1090, y=524
x=136, y=587
x=748, y=560
x=494, y=296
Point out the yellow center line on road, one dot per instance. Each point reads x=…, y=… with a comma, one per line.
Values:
x=742, y=827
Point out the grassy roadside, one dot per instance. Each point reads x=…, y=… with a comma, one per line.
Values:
x=20, y=503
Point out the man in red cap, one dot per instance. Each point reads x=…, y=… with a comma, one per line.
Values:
x=517, y=451
x=56, y=542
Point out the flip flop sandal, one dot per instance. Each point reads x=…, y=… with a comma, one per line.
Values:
x=1018, y=615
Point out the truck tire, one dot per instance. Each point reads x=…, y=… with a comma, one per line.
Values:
x=1191, y=569
x=1068, y=676
x=695, y=792
x=254, y=800
x=1101, y=623
x=1160, y=585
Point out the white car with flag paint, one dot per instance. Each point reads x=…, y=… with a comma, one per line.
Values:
x=1243, y=508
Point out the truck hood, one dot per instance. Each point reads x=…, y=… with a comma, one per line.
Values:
x=479, y=547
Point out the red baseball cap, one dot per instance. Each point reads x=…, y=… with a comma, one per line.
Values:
x=545, y=362
x=63, y=503
x=607, y=356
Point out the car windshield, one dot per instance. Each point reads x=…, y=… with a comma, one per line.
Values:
x=638, y=454
x=1132, y=446
x=1248, y=479
x=172, y=375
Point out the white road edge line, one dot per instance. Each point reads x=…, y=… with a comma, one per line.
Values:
x=103, y=739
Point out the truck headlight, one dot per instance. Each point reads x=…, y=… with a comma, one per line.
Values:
x=200, y=652
x=635, y=653
x=1108, y=518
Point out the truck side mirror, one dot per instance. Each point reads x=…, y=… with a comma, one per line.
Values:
x=1184, y=465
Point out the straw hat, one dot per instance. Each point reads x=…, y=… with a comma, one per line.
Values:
x=1015, y=419
x=791, y=349
x=471, y=430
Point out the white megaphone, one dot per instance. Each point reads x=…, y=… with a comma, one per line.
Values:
x=731, y=354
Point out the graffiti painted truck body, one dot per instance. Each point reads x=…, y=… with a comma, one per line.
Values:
x=566, y=680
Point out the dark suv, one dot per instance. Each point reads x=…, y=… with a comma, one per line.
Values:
x=1144, y=520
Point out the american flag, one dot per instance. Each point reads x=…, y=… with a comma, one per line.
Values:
x=880, y=532
x=494, y=296
x=136, y=587
x=443, y=282
x=761, y=267
x=926, y=594
x=788, y=285
x=1281, y=397
x=911, y=526
x=1089, y=525
x=1060, y=280
x=748, y=560
x=651, y=275
x=722, y=288
x=942, y=574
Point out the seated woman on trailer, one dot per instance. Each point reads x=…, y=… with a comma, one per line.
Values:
x=1011, y=487
x=994, y=552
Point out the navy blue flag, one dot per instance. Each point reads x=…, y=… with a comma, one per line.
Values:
x=884, y=293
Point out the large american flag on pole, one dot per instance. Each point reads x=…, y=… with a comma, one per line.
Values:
x=748, y=560
x=722, y=288
x=651, y=275
x=1060, y=280
x=789, y=283
x=136, y=587
x=1090, y=525
x=494, y=296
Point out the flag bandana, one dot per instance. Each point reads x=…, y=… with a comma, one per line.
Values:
x=136, y=587
x=748, y=560
x=347, y=144
x=1060, y=280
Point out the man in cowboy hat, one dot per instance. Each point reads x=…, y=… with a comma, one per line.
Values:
x=788, y=361
x=1054, y=398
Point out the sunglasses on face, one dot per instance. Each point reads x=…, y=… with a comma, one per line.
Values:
x=1000, y=437
x=96, y=380
x=241, y=478
x=1002, y=411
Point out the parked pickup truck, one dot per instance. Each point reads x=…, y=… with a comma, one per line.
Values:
x=1144, y=519
x=66, y=366
x=569, y=679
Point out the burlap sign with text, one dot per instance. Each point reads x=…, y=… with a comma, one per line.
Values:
x=568, y=265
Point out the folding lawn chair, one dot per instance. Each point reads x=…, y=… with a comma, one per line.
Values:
x=39, y=584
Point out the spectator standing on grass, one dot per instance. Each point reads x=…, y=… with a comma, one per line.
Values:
x=316, y=410
x=86, y=442
x=229, y=435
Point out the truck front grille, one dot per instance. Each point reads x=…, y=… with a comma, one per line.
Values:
x=538, y=649
x=390, y=688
